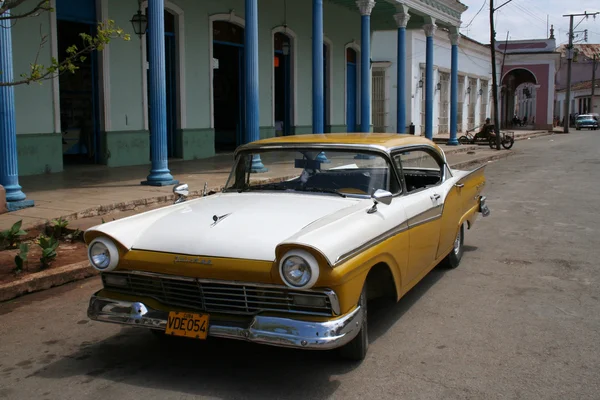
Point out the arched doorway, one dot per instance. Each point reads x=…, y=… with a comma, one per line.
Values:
x=351, y=89
x=512, y=81
x=228, y=85
x=326, y=87
x=79, y=92
x=170, y=79
x=282, y=66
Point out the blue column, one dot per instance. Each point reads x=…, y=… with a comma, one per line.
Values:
x=402, y=19
x=429, y=32
x=454, y=36
x=365, y=7
x=9, y=171
x=251, y=66
x=318, y=87
x=318, y=78
x=159, y=174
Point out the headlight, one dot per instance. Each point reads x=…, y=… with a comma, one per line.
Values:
x=299, y=269
x=103, y=254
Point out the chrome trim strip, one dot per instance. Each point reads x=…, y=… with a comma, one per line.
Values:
x=427, y=216
x=275, y=331
x=375, y=241
x=335, y=303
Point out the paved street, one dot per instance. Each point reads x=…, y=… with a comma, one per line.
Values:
x=520, y=318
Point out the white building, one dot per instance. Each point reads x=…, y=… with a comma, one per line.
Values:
x=581, y=99
x=474, y=81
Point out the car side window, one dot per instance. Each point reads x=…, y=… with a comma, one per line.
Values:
x=420, y=169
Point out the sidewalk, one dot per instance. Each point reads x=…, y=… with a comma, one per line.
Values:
x=84, y=193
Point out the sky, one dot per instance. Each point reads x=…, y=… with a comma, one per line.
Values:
x=527, y=19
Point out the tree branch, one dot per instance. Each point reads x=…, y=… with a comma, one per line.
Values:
x=39, y=73
x=43, y=5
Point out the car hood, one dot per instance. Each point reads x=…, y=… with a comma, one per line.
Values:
x=248, y=226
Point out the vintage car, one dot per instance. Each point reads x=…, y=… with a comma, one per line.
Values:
x=305, y=231
x=589, y=121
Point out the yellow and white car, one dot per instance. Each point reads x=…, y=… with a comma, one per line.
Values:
x=290, y=256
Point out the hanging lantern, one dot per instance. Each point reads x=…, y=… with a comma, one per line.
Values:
x=139, y=21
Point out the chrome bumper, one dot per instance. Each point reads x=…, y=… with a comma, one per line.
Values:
x=284, y=332
x=483, y=208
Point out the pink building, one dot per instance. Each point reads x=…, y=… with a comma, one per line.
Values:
x=528, y=81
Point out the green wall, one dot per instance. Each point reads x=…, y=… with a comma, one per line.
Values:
x=34, y=99
x=39, y=153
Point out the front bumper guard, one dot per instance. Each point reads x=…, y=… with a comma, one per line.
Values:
x=275, y=331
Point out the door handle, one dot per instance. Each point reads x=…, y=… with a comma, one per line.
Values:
x=460, y=185
x=435, y=197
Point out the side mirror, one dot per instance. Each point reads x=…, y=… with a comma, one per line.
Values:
x=182, y=191
x=380, y=196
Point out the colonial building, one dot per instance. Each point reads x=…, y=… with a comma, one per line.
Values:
x=205, y=77
x=473, y=72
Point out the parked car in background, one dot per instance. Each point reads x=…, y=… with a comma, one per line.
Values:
x=291, y=255
x=589, y=121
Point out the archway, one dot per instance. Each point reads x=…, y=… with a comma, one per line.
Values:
x=228, y=84
x=351, y=89
x=517, y=87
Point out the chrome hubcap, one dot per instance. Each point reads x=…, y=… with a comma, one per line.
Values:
x=457, y=242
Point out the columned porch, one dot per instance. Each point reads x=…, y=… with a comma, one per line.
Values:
x=168, y=104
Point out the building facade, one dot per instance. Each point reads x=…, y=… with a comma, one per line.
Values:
x=582, y=101
x=474, y=94
x=206, y=77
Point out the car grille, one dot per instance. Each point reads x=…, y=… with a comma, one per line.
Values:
x=219, y=297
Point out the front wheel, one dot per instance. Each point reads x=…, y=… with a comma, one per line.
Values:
x=492, y=143
x=356, y=350
x=464, y=140
x=508, y=142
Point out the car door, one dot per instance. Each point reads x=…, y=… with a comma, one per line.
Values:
x=422, y=174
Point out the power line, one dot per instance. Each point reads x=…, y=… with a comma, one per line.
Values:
x=472, y=19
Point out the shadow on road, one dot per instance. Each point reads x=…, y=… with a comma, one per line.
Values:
x=223, y=368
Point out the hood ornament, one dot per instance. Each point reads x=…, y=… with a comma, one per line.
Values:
x=218, y=219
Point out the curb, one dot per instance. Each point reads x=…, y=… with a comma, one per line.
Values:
x=46, y=280
x=482, y=160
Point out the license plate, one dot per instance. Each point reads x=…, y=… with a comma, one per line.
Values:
x=187, y=324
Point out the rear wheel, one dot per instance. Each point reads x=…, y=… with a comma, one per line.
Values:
x=508, y=142
x=356, y=350
x=453, y=259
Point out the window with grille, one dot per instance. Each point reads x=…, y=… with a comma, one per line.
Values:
x=444, y=102
x=378, y=94
x=422, y=102
x=484, y=102
x=461, y=102
x=472, y=103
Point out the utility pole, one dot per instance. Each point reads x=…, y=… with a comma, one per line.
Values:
x=593, y=82
x=494, y=76
x=569, y=61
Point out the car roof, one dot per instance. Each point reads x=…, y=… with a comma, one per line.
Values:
x=380, y=141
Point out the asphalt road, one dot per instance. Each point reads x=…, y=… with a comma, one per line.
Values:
x=520, y=318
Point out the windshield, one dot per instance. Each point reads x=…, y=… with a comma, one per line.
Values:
x=341, y=173
x=586, y=117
